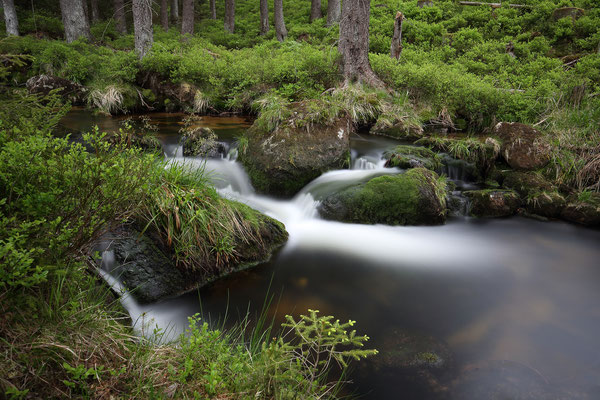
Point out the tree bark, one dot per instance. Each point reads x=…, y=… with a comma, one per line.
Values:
x=315, y=10
x=264, y=17
x=95, y=11
x=280, y=30
x=10, y=18
x=213, y=9
x=175, y=12
x=164, y=14
x=142, y=26
x=86, y=10
x=120, y=22
x=74, y=20
x=333, y=12
x=396, y=49
x=229, y=15
x=187, y=17
x=354, y=43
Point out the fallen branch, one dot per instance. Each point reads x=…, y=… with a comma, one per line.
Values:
x=493, y=5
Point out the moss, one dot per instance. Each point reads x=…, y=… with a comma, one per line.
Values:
x=416, y=197
x=405, y=157
x=493, y=203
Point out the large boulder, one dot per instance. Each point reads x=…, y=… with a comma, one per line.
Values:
x=583, y=209
x=44, y=84
x=539, y=196
x=202, y=142
x=417, y=197
x=283, y=161
x=406, y=157
x=493, y=203
x=523, y=147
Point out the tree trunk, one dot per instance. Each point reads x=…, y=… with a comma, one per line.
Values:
x=230, y=15
x=95, y=11
x=86, y=10
x=315, y=10
x=354, y=43
x=333, y=12
x=74, y=20
x=10, y=18
x=120, y=22
x=164, y=14
x=175, y=12
x=187, y=17
x=142, y=26
x=264, y=17
x=396, y=49
x=280, y=30
x=213, y=9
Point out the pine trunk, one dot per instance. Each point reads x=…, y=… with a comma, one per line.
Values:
x=86, y=11
x=142, y=26
x=10, y=18
x=280, y=30
x=264, y=17
x=213, y=9
x=333, y=12
x=354, y=43
x=187, y=17
x=396, y=49
x=95, y=11
x=164, y=14
x=120, y=22
x=74, y=20
x=315, y=10
x=175, y=12
x=230, y=15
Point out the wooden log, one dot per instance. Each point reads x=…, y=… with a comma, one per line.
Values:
x=493, y=5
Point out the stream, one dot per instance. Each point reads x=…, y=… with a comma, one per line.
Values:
x=511, y=307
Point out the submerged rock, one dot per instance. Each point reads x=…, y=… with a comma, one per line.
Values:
x=523, y=147
x=283, y=161
x=583, y=209
x=43, y=84
x=406, y=157
x=493, y=203
x=202, y=142
x=417, y=197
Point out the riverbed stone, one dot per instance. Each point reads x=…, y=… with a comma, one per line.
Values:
x=583, y=209
x=406, y=157
x=44, y=84
x=493, y=203
x=400, y=129
x=417, y=197
x=523, y=146
x=202, y=142
x=283, y=161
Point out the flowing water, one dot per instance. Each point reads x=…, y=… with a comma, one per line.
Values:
x=514, y=303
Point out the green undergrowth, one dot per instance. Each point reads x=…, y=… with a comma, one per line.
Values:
x=63, y=334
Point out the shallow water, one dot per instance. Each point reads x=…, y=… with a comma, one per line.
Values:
x=515, y=289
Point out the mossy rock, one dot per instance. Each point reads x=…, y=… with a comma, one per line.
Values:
x=493, y=203
x=202, y=142
x=406, y=157
x=539, y=195
x=282, y=162
x=583, y=209
x=523, y=147
x=399, y=130
x=417, y=197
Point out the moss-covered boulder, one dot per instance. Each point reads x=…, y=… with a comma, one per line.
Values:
x=398, y=130
x=44, y=84
x=583, y=209
x=417, y=197
x=282, y=161
x=539, y=195
x=406, y=157
x=493, y=203
x=202, y=142
x=523, y=146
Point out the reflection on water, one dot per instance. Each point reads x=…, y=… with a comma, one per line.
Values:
x=515, y=302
